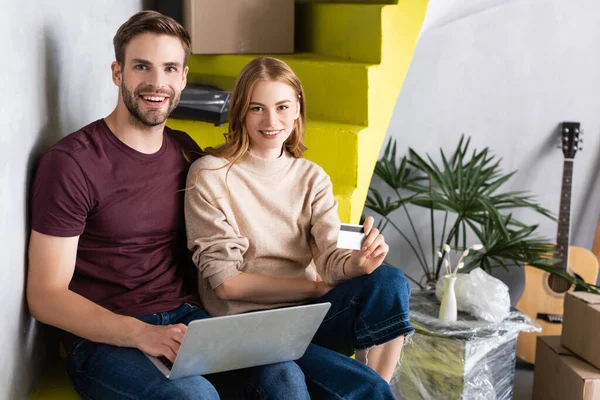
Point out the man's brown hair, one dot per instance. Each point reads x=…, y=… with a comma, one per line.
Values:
x=149, y=22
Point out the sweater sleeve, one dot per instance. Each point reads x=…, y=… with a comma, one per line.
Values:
x=217, y=246
x=325, y=227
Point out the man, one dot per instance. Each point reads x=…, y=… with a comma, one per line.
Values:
x=108, y=263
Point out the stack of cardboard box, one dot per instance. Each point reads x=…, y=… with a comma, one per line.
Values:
x=567, y=367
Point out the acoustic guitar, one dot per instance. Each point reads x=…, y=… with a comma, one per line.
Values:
x=544, y=293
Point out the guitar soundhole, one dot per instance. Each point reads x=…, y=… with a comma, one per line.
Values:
x=558, y=284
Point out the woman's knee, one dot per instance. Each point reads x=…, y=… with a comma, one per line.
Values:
x=390, y=280
x=353, y=379
x=384, y=294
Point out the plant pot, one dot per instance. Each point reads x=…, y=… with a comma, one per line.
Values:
x=448, y=312
x=428, y=282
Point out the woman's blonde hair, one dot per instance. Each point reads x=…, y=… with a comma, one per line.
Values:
x=237, y=141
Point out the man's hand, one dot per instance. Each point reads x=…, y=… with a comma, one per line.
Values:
x=159, y=340
x=372, y=253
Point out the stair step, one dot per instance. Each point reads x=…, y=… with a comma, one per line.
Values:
x=337, y=90
x=348, y=31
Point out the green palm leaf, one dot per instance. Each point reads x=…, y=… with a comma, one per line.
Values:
x=468, y=185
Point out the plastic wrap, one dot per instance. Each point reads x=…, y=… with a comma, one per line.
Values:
x=479, y=294
x=469, y=359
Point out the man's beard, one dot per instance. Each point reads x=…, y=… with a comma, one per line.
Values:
x=151, y=118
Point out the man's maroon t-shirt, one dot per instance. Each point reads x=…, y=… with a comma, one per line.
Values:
x=127, y=208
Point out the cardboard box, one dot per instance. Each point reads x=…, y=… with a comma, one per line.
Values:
x=240, y=26
x=581, y=326
x=560, y=375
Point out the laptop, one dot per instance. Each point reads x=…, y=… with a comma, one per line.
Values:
x=244, y=340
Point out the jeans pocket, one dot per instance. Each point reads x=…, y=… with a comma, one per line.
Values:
x=80, y=353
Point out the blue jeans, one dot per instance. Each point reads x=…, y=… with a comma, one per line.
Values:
x=365, y=312
x=100, y=371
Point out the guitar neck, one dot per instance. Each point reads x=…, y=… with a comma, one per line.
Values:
x=564, y=215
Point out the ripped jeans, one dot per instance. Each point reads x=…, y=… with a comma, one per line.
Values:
x=366, y=311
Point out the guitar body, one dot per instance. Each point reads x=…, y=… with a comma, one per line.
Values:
x=539, y=298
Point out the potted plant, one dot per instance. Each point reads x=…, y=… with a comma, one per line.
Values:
x=465, y=189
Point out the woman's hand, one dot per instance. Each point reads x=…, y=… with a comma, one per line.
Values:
x=372, y=253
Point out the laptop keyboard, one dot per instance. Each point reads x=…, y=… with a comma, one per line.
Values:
x=167, y=363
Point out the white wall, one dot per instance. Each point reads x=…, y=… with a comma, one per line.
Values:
x=507, y=73
x=55, y=78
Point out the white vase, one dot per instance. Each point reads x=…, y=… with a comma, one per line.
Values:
x=448, y=306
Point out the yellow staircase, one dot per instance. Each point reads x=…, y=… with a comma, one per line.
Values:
x=352, y=58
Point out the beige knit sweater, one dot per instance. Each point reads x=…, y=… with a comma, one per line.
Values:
x=277, y=216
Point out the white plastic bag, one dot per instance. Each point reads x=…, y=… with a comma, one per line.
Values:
x=479, y=294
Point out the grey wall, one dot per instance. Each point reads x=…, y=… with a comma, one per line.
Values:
x=55, y=78
x=507, y=73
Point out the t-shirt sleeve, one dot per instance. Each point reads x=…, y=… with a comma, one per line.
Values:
x=325, y=227
x=60, y=201
x=217, y=246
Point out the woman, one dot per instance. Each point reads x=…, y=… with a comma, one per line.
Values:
x=257, y=213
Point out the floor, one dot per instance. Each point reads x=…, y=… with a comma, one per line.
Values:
x=523, y=381
x=515, y=280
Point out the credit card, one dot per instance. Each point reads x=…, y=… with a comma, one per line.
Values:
x=351, y=237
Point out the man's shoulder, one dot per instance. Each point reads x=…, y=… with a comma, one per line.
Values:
x=182, y=139
x=77, y=143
